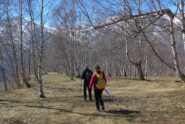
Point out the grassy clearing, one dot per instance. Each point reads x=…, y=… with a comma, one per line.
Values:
x=156, y=100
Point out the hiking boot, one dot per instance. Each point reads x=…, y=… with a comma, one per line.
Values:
x=103, y=108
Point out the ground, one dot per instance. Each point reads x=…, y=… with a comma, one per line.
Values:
x=155, y=100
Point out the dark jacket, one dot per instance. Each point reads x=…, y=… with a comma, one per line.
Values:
x=84, y=76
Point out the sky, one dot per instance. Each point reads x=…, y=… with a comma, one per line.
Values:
x=107, y=8
x=94, y=9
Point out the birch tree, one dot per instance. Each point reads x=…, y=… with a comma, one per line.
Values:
x=37, y=49
x=2, y=69
x=23, y=69
x=69, y=37
x=183, y=20
x=13, y=46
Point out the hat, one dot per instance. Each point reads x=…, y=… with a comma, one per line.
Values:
x=97, y=67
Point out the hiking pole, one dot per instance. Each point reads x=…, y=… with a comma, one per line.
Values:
x=108, y=93
x=81, y=86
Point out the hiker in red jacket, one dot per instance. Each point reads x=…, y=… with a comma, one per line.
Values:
x=98, y=82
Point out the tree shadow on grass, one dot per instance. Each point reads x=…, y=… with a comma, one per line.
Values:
x=14, y=103
x=13, y=121
x=111, y=99
x=130, y=115
x=98, y=114
x=105, y=98
x=124, y=112
x=156, y=80
x=11, y=101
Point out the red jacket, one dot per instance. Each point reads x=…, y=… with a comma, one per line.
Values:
x=93, y=78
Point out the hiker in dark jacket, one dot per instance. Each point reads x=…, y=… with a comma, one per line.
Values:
x=98, y=82
x=86, y=76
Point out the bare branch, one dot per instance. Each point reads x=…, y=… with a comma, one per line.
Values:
x=158, y=13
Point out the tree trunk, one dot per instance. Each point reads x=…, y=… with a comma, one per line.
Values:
x=37, y=64
x=25, y=79
x=40, y=81
x=183, y=20
x=3, y=73
x=16, y=67
x=140, y=71
x=174, y=50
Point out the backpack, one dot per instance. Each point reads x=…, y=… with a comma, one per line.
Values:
x=100, y=81
x=88, y=76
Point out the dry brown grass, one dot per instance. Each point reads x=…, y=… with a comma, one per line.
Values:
x=156, y=100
